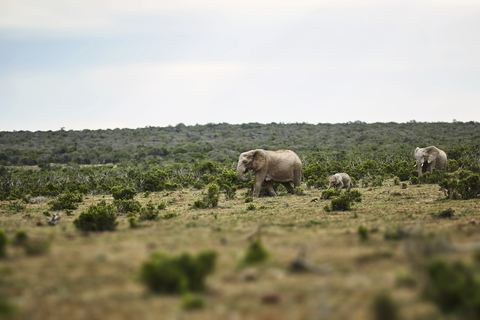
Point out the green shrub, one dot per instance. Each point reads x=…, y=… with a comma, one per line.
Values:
x=299, y=191
x=126, y=206
x=20, y=237
x=363, y=233
x=3, y=243
x=396, y=181
x=255, y=252
x=354, y=195
x=248, y=199
x=341, y=203
x=251, y=207
x=169, y=215
x=461, y=185
x=148, y=212
x=200, y=204
x=453, y=287
x=192, y=301
x=98, y=217
x=384, y=307
x=120, y=193
x=329, y=194
x=146, y=194
x=230, y=191
x=69, y=200
x=413, y=180
x=133, y=222
x=46, y=213
x=447, y=213
x=162, y=206
x=213, y=194
x=406, y=279
x=165, y=274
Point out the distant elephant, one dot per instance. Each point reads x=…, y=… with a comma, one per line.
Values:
x=283, y=166
x=341, y=180
x=429, y=158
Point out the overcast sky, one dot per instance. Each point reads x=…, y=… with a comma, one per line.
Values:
x=97, y=64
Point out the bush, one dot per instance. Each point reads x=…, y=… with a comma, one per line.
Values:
x=329, y=194
x=363, y=233
x=169, y=215
x=255, y=252
x=199, y=204
x=248, y=199
x=384, y=307
x=251, y=207
x=213, y=194
x=3, y=243
x=447, y=213
x=98, y=217
x=192, y=302
x=69, y=200
x=120, y=193
x=453, y=287
x=126, y=206
x=164, y=274
x=133, y=222
x=148, y=212
x=354, y=195
x=341, y=203
x=162, y=206
x=36, y=247
x=461, y=185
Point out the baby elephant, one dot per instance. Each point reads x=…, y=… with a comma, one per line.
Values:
x=341, y=180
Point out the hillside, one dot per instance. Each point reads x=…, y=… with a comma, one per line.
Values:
x=224, y=142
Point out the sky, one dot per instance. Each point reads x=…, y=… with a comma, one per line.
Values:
x=98, y=64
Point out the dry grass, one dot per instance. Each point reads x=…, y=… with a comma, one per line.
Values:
x=94, y=276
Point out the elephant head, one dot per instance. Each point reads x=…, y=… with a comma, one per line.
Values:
x=249, y=161
x=426, y=158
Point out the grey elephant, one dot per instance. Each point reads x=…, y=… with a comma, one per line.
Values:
x=429, y=158
x=340, y=180
x=283, y=166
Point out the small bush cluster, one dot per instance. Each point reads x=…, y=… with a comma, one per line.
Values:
x=98, y=217
x=165, y=274
x=363, y=233
x=3, y=243
x=461, y=185
x=341, y=203
x=69, y=200
x=454, y=287
x=212, y=198
x=127, y=206
x=255, y=252
x=329, y=194
x=120, y=193
x=148, y=212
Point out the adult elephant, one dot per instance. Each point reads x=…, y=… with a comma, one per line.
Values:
x=283, y=166
x=429, y=158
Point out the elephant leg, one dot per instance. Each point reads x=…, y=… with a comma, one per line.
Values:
x=340, y=183
x=258, y=184
x=269, y=186
x=289, y=187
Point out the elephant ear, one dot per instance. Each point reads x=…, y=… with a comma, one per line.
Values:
x=431, y=153
x=416, y=150
x=259, y=159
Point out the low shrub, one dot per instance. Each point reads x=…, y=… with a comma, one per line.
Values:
x=69, y=200
x=341, y=203
x=162, y=206
x=454, y=287
x=200, y=204
x=248, y=199
x=255, y=252
x=126, y=206
x=213, y=194
x=329, y=194
x=461, y=185
x=251, y=207
x=192, y=301
x=133, y=222
x=36, y=247
x=447, y=213
x=165, y=274
x=98, y=217
x=363, y=233
x=384, y=307
x=169, y=215
x=148, y=212
x=120, y=193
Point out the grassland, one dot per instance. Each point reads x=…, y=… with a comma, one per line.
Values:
x=95, y=275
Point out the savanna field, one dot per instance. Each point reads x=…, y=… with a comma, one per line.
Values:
x=397, y=247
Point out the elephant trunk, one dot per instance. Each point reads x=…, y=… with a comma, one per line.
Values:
x=241, y=171
x=420, y=168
